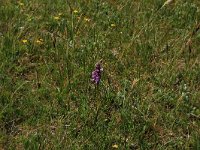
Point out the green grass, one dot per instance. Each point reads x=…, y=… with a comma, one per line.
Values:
x=149, y=94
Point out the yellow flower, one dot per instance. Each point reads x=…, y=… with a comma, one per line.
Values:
x=75, y=11
x=115, y=146
x=113, y=25
x=20, y=3
x=24, y=41
x=59, y=14
x=56, y=17
x=29, y=19
x=39, y=41
x=86, y=19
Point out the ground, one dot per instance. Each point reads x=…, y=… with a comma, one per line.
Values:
x=149, y=93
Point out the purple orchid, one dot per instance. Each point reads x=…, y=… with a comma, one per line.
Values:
x=96, y=74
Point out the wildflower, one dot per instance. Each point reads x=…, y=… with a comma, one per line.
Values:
x=113, y=25
x=30, y=19
x=39, y=41
x=21, y=28
x=75, y=11
x=86, y=19
x=115, y=146
x=56, y=17
x=96, y=74
x=20, y=3
x=24, y=41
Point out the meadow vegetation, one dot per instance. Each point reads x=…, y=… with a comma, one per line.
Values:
x=149, y=93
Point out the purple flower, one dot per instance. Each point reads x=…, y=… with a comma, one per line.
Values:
x=96, y=74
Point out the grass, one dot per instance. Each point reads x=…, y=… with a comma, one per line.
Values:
x=148, y=97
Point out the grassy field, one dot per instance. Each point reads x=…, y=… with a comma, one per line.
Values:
x=149, y=93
